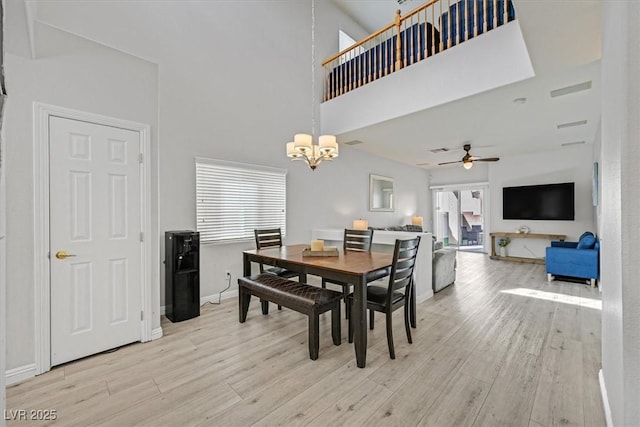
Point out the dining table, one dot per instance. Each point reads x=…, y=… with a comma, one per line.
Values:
x=351, y=267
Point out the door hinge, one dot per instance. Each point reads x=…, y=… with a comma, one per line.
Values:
x=141, y=315
x=140, y=158
x=142, y=236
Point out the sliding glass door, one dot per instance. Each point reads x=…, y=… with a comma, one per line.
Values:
x=459, y=218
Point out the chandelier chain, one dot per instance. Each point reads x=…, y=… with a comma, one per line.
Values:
x=302, y=147
x=313, y=63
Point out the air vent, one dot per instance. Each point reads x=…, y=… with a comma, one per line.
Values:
x=439, y=150
x=572, y=124
x=568, y=144
x=571, y=89
x=354, y=142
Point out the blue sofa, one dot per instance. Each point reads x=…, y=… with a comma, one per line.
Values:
x=575, y=259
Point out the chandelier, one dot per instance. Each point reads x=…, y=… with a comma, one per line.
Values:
x=302, y=147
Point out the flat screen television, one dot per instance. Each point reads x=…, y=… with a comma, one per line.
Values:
x=550, y=202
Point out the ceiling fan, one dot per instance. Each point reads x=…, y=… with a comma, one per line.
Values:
x=468, y=159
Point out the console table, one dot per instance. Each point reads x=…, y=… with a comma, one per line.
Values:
x=560, y=237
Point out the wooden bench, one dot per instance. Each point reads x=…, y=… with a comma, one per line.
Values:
x=296, y=296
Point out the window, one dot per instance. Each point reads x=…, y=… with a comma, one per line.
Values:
x=233, y=199
x=346, y=41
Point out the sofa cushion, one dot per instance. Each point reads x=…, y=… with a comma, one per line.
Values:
x=587, y=241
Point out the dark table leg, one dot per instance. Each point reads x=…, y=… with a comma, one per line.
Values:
x=359, y=319
x=246, y=265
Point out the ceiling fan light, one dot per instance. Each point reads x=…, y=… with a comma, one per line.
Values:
x=467, y=165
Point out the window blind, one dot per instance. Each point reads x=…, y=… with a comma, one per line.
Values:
x=233, y=199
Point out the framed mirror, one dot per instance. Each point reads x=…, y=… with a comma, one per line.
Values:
x=381, y=194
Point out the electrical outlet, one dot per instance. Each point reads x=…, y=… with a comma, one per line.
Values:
x=227, y=274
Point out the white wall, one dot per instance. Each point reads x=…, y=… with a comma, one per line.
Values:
x=249, y=116
x=571, y=164
x=497, y=58
x=234, y=85
x=459, y=175
x=74, y=73
x=3, y=269
x=620, y=211
x=3, y=210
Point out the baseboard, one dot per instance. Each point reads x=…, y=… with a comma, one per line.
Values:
x=156, y=333
x=20, y=374
x=210, y=298
x=426, y=296
x=605, y=400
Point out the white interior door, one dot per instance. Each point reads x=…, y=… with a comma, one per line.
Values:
x=95, y=217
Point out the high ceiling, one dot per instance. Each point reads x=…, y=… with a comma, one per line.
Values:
x=563, y=40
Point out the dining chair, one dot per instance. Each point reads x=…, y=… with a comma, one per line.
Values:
x=356, y=241
x=397, y=294
x=272, y=238
x=268, y=238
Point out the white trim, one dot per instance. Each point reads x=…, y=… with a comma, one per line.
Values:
x=213, y=299
x=244, y=166
x=464, y=186
x=30, y=12
x=605, y=400
x=42, y=284
x=156, y=333
x=20, y=374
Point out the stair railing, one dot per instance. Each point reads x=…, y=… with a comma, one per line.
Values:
x=423, y=32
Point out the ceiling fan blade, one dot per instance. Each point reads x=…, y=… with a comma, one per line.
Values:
x=449, y=163
x=487, y=159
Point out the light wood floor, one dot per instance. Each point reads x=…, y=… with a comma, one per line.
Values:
x=480, y=357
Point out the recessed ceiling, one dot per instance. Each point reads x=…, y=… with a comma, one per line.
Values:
x=563, y=42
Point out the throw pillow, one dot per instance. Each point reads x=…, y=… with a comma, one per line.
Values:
x=587, y=241
x=586, y=233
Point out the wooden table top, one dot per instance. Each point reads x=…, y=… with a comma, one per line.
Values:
x=351, y=262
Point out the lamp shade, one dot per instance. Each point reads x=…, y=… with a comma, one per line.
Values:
x=327, y=142
x=360, y=224
x=302, y=141
x=467, y=165
x=416, y=220
x=291, y=150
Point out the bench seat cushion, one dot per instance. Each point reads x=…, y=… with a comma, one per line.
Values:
x=289, y=293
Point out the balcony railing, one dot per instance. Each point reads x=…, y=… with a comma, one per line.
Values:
x=425, y=31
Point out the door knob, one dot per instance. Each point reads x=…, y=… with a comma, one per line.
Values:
x=63, y=254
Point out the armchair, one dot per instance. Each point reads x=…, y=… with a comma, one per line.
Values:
x=444, y=267
x=574, y=259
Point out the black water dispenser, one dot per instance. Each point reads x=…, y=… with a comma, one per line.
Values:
x=182, y=278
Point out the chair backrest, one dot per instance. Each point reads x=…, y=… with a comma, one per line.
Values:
x=357, y=240
x=268, y=238
x=404, y=261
